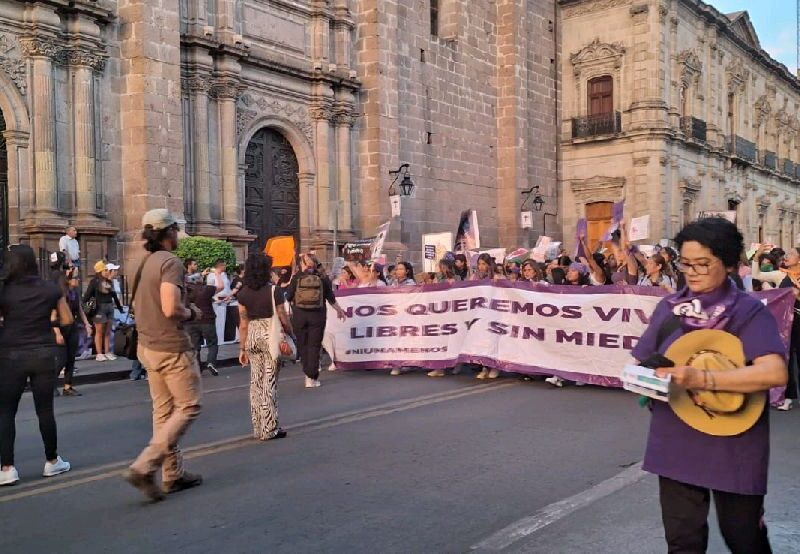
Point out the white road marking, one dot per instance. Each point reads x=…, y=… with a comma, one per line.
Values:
x=106, y=471
x=526, y=526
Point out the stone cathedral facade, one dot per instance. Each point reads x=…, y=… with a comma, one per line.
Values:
x=256, y=118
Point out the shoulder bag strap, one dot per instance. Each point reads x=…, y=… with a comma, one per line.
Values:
x=136, y=284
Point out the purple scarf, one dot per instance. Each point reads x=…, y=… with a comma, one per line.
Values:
x=711, y=310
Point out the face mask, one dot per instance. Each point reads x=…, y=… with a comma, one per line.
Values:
x=766, y=267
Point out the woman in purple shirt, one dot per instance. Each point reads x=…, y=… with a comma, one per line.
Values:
x=692, y=465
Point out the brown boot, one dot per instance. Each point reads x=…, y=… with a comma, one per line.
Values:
x=145, y=483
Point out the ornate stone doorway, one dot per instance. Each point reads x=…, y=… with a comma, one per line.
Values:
x=4, y=223
x=272, y=188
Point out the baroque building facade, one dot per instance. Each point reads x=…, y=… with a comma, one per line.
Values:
x=675, y=108
x=256, y=118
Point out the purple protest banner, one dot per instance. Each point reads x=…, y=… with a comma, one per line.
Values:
x=581, y=334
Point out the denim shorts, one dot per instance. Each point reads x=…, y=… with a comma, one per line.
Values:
x=104, y=314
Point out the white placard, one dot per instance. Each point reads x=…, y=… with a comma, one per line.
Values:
x=639, y=228
x=526, y=219
x=437, y=244
x=395, y=202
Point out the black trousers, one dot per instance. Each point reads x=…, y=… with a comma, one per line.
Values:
x=208, y=331
x=309, y=327
x=72, y=340
x=17, y=367
x=684, y=511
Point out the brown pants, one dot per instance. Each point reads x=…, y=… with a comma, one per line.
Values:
x=175, y=388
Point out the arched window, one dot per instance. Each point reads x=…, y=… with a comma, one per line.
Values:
x=601, y=95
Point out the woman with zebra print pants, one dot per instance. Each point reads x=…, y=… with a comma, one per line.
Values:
x=256, y=300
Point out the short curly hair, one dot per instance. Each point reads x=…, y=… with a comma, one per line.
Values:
x=718, y=235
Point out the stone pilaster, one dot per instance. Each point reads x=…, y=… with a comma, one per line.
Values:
x=227, y=90
x=82, y=63
x=199, y=87
x=343, y=121
x=43, y=51
x=343, y=28
x=151, y=114
x=321, y=114
x=512, y=124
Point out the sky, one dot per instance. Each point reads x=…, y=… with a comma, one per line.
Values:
x=775, y=22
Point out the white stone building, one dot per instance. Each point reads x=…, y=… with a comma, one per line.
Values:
x=676, y=108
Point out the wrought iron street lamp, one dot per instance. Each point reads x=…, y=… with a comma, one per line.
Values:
x=406, y=184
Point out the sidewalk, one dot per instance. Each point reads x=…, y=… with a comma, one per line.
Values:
x=90, y=372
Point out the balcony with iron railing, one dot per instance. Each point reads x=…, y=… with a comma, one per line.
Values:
x=596, y=125
x=742, y=149
x=694, y=128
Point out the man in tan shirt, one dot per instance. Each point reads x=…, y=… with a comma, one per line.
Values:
x=166, y=351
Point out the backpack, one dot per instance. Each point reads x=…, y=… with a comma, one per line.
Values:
x=308, y=294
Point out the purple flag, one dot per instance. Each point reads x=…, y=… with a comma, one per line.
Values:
x=581, y=229
x=617, y=214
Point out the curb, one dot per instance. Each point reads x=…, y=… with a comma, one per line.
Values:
x=124, y=374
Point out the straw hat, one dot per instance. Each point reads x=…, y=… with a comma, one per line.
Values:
x=721, y=414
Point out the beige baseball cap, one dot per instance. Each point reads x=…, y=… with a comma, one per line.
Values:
x=159, y=219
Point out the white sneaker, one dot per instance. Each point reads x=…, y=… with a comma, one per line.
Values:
x=555, y=381
x=101, y=358
x=396, y=371
x=57, y=468
x=436, y=373
x=9, y=476
x=312, y=383
x=493, y=374
x=786, y=406
x=111, y=357
x=483, y=374
x=85, y=355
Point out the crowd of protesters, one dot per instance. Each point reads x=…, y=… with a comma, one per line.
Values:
x=280, y=317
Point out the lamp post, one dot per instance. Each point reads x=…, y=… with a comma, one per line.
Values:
x=406, y=187
x=538, y=203
x=406, y=184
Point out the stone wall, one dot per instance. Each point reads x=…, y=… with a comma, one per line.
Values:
x=674, y=65
x=471, y=108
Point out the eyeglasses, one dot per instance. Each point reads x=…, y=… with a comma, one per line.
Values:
x=699, y=269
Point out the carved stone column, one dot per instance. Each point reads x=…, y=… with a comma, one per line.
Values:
x=82, y=64
x=199, y=86
x=321, y=115
x=227, y=91
x=307, y=214
x=343, y=121
x=43, y=52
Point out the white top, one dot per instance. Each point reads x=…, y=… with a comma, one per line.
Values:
x=771, y=277
x=665, y=280
x=378, y=284
x=71, y=247
x=226, y=284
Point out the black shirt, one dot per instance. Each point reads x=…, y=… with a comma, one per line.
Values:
x=327, y=291
x=202, y=296
x=103, y=291
x=26, y=306
x=258, y=303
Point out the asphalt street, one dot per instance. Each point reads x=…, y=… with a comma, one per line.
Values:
x=372, y=463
